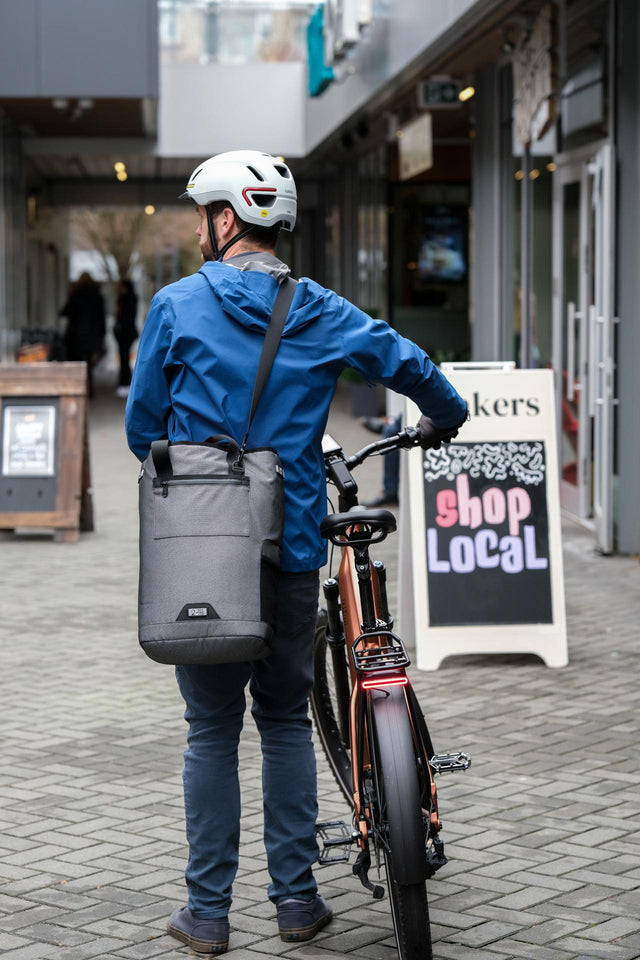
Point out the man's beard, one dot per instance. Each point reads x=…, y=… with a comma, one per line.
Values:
x=207, y=252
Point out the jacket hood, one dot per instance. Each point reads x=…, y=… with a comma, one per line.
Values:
x=245, y=286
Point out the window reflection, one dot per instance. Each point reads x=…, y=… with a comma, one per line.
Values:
x=233, y=32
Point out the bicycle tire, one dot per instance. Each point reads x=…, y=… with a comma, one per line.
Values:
x=324, y=709
x=398, y=816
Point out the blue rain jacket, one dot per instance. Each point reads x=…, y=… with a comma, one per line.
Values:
x=197, y=362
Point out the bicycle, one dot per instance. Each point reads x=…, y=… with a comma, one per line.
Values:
x=368, y=718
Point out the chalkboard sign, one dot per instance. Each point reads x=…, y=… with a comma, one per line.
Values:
x=487, y=532
x=44, y=453
x=481, y=558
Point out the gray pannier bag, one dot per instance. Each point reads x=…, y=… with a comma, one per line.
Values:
x=211, y=520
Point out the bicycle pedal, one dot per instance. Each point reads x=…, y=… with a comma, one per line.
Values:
x=448, y=762
x=336, y=840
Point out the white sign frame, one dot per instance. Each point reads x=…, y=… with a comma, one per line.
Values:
x=491, y=394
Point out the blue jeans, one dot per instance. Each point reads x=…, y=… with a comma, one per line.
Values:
x=215, y=697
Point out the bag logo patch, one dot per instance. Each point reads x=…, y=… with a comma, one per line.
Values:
x=197, y=611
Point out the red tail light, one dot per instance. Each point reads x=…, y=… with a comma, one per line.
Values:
x=394, y=681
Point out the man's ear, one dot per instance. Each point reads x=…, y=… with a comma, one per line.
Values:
x=227, y=222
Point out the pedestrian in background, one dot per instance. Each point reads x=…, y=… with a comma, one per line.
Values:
x=85, y=330
x=193, y=378
x=125, y=332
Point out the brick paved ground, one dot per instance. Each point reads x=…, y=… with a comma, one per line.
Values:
x=543, y=833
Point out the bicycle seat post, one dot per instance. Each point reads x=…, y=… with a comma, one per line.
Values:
x=382, y=592
x=363, y=570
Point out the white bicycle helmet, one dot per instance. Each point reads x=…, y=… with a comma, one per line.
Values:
x=259, y=187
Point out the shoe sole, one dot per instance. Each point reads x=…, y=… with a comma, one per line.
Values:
x=295, y=934
x=200, y=946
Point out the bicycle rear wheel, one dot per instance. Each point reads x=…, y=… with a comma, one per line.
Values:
x=399, y=826
x=327, y=707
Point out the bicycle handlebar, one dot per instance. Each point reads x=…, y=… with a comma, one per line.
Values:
x=338, y=467
x=407, y=438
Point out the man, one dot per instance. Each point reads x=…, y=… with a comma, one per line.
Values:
x=194, y=376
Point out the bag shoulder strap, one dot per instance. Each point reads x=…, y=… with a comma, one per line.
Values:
x=272, y=339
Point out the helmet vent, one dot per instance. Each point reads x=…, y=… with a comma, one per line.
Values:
x=196, y=174
x=283, y=171
x=263, y=200
x=256, y=174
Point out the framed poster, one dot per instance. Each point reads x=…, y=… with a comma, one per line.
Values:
x=28, y=440
x=481, y=554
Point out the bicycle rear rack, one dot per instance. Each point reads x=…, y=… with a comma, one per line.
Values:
x=388, y=653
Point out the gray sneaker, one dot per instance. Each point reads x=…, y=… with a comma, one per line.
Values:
x=302, y=919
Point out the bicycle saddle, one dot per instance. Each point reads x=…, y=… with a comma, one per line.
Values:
x=374, y=524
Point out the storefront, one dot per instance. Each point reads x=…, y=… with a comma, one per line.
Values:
x=552, y=198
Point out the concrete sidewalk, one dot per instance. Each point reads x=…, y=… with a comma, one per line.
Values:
x=542, y=834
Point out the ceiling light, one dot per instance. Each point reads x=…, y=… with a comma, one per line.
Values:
x=118, y=166
x=519, y=174
x=122, y=175
x=466, y=93
x=149, y=209
x=534, y=174
x=551, y=167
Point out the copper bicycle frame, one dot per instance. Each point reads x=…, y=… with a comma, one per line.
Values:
x=360, y=759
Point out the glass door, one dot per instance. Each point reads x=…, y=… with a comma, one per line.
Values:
x=570, y=337
x=602, y=331
x=583, y=340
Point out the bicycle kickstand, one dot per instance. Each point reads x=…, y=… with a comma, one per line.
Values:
x=361, y=870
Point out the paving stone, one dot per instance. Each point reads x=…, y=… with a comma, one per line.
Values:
x=526, y=951
x=612, y=929
x=449, y=918
x=457, y=951
x=484, y=933
x=526, y=897
x=596, y=951
x=8, y=941
x=549, y=930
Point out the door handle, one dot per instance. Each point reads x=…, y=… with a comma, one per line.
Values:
x=572, y=315
x=595, y=360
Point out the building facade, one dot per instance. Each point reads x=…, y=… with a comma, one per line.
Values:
x=539, y=169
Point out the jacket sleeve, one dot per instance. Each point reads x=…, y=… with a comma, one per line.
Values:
x=379, y=353
x=149, y=402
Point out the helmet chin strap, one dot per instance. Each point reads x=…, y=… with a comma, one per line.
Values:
x=238, y=236
x=217, y=253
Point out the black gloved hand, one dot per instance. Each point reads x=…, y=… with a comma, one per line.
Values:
x=432, y=437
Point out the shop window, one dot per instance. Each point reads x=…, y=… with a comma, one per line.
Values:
x=372, y=295
x=233, y=31
x=430, y=267
x=537, y=179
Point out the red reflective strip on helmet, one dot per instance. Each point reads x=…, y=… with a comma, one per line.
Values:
x=248, y=190
x=385, y=682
